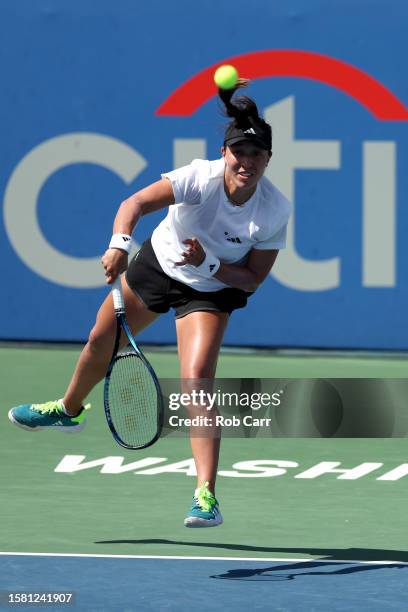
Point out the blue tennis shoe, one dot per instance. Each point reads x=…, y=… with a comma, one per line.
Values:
x=205, y=510
x=50, y=415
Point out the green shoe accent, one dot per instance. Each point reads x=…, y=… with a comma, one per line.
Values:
x=204, y=511
x=82, y=415
x=49, y=407
x=206, y=500
x=56, y=407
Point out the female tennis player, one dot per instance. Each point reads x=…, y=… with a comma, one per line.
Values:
x=223, y=231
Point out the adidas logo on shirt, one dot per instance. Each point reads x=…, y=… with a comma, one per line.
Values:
x=236, y=240
x=250, y=131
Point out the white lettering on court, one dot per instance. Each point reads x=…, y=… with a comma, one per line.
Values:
x=187, y=466
x=259, y=469
x=396, y=473
x=110, y=465
x=330, y=467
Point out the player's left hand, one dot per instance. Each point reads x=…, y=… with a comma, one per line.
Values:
x=194, y=254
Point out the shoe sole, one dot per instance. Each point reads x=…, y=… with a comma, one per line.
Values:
x=73, y=429
x=199, y=523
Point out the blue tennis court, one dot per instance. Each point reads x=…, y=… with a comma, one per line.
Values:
x=128, y=584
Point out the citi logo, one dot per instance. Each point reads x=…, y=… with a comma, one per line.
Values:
x=375, y=188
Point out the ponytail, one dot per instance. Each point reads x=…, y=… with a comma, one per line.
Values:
x=245, y=116
x=237, y=109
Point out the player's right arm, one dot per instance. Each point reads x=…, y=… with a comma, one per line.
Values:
x=153, y=197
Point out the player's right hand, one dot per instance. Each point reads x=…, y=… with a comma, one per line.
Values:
x=114, y=261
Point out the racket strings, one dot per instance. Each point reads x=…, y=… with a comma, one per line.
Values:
x=133, y=400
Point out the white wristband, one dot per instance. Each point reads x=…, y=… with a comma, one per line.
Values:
x=210, y=265
x=121, y=241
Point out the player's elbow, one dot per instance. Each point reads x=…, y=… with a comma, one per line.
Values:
x=132, y=207
x=251, y=284
x=250, y=287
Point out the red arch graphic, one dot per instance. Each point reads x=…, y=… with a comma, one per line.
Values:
x=366, y=90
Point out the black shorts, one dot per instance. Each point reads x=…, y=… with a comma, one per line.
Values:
x=159, y=292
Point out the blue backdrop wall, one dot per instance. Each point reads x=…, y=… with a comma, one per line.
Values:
x=98, y=98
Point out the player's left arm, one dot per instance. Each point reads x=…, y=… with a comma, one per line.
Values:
x=247, y=277
x=250, y=276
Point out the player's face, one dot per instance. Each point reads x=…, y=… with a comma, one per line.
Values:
x=245, y=164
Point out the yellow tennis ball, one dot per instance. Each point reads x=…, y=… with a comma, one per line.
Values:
x=226, y=77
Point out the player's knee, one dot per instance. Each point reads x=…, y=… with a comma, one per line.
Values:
x=99, y=342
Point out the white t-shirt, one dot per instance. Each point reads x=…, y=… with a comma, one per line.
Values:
x=202, y=210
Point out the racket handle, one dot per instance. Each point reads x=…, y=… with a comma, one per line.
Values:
x=117, y=294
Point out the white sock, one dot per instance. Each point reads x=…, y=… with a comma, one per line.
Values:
x=64, y=409
x=67, y=413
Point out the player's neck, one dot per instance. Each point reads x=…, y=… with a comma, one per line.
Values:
x=237, y=195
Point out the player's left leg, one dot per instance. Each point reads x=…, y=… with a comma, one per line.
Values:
x=199, y=336
x=68, y=413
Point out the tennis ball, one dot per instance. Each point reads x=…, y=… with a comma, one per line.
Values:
x=226, y=77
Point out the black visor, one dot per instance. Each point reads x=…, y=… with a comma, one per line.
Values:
x=255, y=132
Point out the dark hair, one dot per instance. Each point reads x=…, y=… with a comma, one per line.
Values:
x=245, y=115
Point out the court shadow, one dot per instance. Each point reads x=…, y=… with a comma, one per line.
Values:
x=290, y=571
x=329, y=554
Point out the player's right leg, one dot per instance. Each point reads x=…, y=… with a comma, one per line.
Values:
x=68, y=413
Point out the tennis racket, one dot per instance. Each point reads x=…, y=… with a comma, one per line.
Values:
x=132, y=396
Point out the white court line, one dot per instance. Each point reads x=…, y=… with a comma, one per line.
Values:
x=181, y=558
